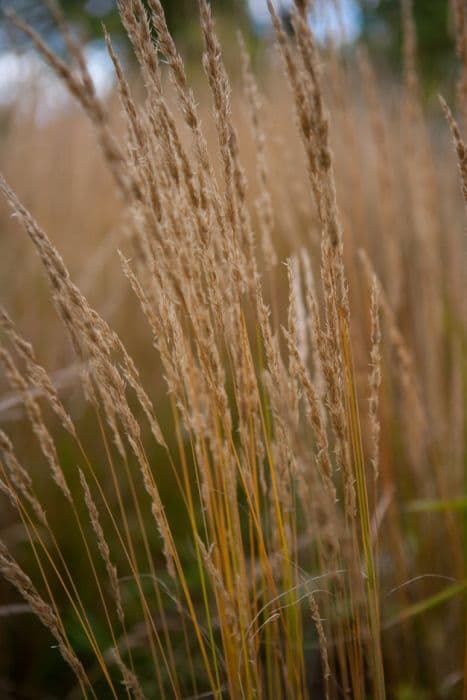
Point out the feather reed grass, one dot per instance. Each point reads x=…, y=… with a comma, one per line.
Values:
x=239, y=508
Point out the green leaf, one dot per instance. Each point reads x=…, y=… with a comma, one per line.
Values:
x=428, y=603
x=436, y=506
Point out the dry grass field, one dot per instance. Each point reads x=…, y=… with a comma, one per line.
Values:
x=233, y=335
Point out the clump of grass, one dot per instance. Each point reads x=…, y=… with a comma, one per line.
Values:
x=268, y=576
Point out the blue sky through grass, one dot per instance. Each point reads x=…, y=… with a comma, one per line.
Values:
x=18, y=70
x=327, y=20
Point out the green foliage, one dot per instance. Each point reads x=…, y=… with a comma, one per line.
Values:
x=382, y=27
x=181, y=14
x=409, y=692
x=87, y=17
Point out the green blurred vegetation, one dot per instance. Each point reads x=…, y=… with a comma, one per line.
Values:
x=180, y=14
x=89, y=15
x=87, y=18
x=382, y=29
x=381, y=26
